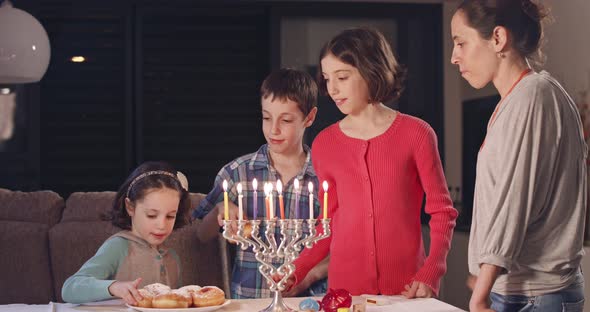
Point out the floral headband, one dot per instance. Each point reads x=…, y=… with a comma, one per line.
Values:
x=179, y=177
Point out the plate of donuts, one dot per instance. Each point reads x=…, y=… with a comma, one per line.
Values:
x=192, y=298
x=193, y=309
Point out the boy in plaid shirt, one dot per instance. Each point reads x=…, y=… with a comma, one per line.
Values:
x=288, y=107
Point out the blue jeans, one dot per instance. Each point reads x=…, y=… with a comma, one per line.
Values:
x=566, y=300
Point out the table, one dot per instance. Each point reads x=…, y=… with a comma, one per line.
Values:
x=397, y=304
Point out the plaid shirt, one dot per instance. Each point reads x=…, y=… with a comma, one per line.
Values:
x=247, y=282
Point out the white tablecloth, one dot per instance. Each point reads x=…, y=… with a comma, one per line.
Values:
x=395, y=304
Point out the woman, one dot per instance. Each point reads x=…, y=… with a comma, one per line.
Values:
x=526, y=239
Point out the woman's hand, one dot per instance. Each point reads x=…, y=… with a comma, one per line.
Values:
x=479, y=306
x=126, y=291
x=417, y=290
x=483, y=286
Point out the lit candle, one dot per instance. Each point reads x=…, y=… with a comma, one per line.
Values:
x=270, y=201
x=240, y=196
x=310, y=188
x=225, y=208
x=255, y=187
x=281, y=204
x=267, y=205
x=325, y=185
x=296, y=186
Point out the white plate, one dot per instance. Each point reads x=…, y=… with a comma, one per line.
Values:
x=203, y=309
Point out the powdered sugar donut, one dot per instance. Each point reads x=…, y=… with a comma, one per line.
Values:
x=174, y=299
x=157, y=288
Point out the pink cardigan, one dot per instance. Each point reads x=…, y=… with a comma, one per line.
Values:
x=377, y=188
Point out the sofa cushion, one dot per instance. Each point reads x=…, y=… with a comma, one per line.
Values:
x=41, y=207
x=200, y=262
x=24, y=264
x=88, y=206
x=91, y=206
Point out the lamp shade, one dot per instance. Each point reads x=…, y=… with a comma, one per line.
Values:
x=24, y=46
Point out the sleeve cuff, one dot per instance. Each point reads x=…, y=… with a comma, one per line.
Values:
x=429, y=277
x=105, y=284
x=497, y=260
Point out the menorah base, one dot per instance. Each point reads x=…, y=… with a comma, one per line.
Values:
x=286, y=250
x=277, y=304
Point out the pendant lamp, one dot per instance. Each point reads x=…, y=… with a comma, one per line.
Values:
x=24, y=46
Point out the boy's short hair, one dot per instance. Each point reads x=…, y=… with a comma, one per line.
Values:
x=367, y=49
x=291, y=84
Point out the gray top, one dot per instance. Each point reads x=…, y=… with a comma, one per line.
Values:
x=122, y=257
x=530, y=191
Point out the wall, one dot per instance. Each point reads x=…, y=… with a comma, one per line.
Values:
x=303, y=37
x=568, y=46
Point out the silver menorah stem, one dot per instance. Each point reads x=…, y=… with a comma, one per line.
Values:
x=265, y=248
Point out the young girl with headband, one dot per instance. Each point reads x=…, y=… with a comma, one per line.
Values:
x=146, y=208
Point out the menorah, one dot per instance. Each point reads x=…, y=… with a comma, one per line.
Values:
x=293, y=240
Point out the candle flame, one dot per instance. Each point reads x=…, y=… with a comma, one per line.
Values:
x=296, y=184
x=239, y=187
x=310, y=187
x=325, y=185
x=255, y=184
x=225, y=185
x=279, y=187
x=266, y=191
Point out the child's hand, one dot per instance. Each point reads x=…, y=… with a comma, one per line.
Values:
x=126, y=291
x=292, y=290
x=232, y=214
x=417, y=290
x=287, y=292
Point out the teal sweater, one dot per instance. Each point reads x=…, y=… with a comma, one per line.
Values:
x=122, y=257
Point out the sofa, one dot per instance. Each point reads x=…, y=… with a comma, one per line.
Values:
x=44, y=239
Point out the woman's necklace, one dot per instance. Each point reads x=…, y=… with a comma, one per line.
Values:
x=493, y=118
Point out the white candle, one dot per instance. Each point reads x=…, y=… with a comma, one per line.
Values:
x=310, y=188
x=270, y=201
x=255, y=186
x=325, y=184
x=296, y=186
x=240, y=197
